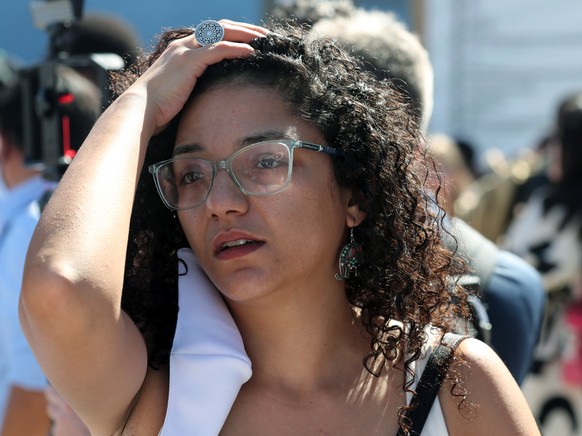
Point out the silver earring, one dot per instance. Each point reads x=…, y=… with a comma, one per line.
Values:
x=350, y=259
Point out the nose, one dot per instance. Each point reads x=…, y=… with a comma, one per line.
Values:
x=225, y=197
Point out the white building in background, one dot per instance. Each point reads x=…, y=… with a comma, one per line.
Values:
x=501, y=66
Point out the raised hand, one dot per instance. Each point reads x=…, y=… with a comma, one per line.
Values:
x=169, y=81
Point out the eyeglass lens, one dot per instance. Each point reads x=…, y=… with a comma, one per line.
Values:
x=259, y=169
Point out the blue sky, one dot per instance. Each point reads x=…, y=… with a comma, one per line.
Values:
x=22, y=40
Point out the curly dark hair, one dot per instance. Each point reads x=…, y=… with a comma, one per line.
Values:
x=406, y=268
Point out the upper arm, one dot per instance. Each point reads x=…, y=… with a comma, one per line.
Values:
x=485, y=399
x=91, y=352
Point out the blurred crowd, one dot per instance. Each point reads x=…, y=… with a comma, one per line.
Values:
x=531, y=205
x=516, y=219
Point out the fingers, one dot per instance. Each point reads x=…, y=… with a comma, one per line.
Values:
x=235, y=31
x=258, y=30
x=170, y=80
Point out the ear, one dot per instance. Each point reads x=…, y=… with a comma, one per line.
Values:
x=355, y=214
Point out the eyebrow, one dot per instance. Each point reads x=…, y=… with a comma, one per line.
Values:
x=242, y=142
x=187, y=148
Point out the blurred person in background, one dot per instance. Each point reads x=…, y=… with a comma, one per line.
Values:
x=510, y=288
x=100, y=33
x=22, y=383
x=454, y=172
x=547, y=231
x=308, y=12
x=506, y=183
x=468, y=153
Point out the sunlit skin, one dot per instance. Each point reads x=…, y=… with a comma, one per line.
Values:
x=298, y=232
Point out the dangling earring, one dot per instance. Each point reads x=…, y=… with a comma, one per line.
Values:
x=350, y=259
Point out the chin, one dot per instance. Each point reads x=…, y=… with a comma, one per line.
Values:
x=243, y=286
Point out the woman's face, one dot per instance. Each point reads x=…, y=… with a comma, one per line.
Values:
x=254, y=246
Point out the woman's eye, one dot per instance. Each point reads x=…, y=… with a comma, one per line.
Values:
x=269, y=161
x=190, y=177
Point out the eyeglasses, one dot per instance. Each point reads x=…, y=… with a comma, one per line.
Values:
x=263, y=168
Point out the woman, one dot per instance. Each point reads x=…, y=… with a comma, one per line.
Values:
x=326, y=340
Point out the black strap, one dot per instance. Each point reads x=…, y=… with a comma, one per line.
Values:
x=430, y=382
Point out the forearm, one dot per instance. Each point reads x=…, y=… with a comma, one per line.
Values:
x=25, y=414
x=82, y=233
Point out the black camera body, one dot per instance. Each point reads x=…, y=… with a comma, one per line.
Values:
x=49, y=137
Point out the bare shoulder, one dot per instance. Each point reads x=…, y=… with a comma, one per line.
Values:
x=480, y=396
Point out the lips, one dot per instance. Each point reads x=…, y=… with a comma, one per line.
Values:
x=235, y=241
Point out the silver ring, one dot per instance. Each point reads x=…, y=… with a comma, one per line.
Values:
x=209, y=32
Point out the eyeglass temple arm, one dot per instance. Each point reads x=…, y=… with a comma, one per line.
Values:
x=322, y=148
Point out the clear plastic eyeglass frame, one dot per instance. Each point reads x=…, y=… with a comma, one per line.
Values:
x=165, y=180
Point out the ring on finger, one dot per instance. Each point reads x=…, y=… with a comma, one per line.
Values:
x=209, y=32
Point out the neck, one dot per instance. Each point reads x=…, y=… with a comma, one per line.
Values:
x=302, y=343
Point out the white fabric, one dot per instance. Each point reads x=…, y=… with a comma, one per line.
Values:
x=435, y=423
x=549, y=242
x=19, y=213
x=208, y=363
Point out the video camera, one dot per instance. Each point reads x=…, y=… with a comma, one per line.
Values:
x=48, y=136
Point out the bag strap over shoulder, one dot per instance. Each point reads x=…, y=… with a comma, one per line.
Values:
x=430, y=382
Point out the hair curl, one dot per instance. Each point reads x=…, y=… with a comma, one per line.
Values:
x=406, y=268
